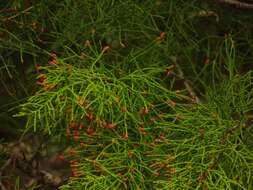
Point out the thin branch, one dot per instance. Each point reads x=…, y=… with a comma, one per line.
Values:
x=238, y=4
x=18, y=14
x=186, y=82
x=2, y=186
x=203, y=14
x=6, y=164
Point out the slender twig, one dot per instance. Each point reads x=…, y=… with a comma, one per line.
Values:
x=204, y=14
x=186, y=82
x=238, y=4
x=18, y=14
x=8, y=10
x=6, y=164
x=2, y=186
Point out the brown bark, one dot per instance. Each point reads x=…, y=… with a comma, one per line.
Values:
x=238, y=4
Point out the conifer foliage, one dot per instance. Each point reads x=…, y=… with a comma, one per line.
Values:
x=126, y=95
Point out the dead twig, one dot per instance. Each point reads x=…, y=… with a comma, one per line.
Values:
x=2, y=186
x=18, y=14
x=237, y=4
x=6, y=164
x=186, y=82
x=204, y=14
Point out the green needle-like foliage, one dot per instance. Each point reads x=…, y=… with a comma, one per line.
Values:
x=129, y=131
x=100, y=78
